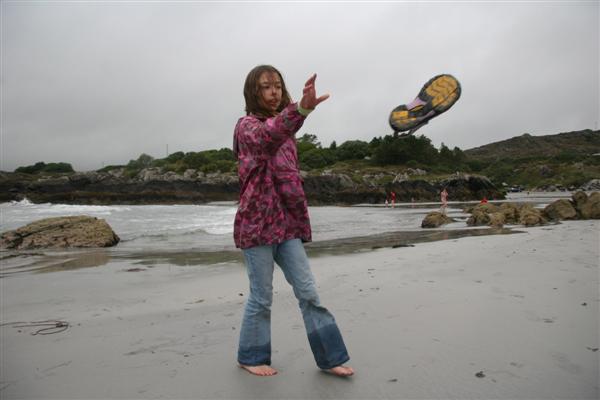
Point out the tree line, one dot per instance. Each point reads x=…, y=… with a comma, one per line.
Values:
x=412, y=151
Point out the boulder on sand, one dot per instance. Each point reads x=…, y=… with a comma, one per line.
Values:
x=60, y=232
x=435, y=219
x=530, y=216
x=496, y=219
x=591, y=208
x=478, y=217
x=507, y=213
x=510, y=212
x=482, y=207
x=579, y=199
x=560, y=210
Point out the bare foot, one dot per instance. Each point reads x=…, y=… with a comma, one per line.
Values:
x=260, y=370
x=341, y=370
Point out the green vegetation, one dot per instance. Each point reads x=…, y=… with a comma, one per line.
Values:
x=390, y=150
x=207, y=161
x=42, y=167
x=540, y=171
x=566, y=159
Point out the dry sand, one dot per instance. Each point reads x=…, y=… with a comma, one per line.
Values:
x=419, y=322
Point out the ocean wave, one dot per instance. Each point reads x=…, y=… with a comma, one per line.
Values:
x=64, y=208
x=24, y=202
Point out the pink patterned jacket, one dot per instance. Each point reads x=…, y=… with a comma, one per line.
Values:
x=272, y=206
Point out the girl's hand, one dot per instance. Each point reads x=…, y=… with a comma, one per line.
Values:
x=309, y=99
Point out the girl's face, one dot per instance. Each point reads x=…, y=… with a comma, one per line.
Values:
x=270, y=91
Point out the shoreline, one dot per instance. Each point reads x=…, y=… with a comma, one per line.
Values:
x=419, y=322
x=509, y=197
x=18, y=262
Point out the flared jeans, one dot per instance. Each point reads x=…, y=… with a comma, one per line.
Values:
x=324, y=336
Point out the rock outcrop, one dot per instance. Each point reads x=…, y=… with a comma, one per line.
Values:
x=155, y=186
x=60, y=232
x=464, y=187
x=460, y=187
x=149, y=186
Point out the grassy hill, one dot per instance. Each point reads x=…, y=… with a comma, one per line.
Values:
x=577, y=143
x=565, y=159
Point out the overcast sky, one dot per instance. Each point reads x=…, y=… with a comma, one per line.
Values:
x=99, y=83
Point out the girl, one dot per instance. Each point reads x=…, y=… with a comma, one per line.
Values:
x=272, y=222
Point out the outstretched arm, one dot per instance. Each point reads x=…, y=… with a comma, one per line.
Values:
x=309, y=99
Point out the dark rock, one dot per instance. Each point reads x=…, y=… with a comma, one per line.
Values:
x=593, y=184
x=464, y=187
x=154, y=186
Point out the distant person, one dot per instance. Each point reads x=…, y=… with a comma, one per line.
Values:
x=272, y=222
x=444, y=199
x=393, y=199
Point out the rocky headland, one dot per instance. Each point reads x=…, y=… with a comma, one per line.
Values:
x=154, y=186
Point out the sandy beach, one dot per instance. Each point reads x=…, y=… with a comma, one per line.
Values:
x=500, y=316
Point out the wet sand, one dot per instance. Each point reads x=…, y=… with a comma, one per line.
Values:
x=496, y=316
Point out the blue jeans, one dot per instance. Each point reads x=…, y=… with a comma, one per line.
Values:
x=255, y=336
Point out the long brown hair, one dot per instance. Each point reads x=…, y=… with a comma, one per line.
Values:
x=252, y=92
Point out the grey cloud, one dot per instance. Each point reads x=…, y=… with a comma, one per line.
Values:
x=100, y=83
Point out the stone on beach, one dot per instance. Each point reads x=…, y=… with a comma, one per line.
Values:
x=581, y=206
x=435, y=219
x=482, y=207
x=579, y=199
x=591, y=208
x=496, y=219
x=510, y=212
x=506, y=213
x=560, y=210
x=61, y=232
x=478, y=218
x=530, y=216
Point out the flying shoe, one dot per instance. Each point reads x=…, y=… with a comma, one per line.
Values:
x=437, y=96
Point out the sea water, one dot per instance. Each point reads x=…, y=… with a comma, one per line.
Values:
x=198, y=235
x=209, y=227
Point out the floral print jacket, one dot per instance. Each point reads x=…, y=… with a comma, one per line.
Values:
x=272, y=205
